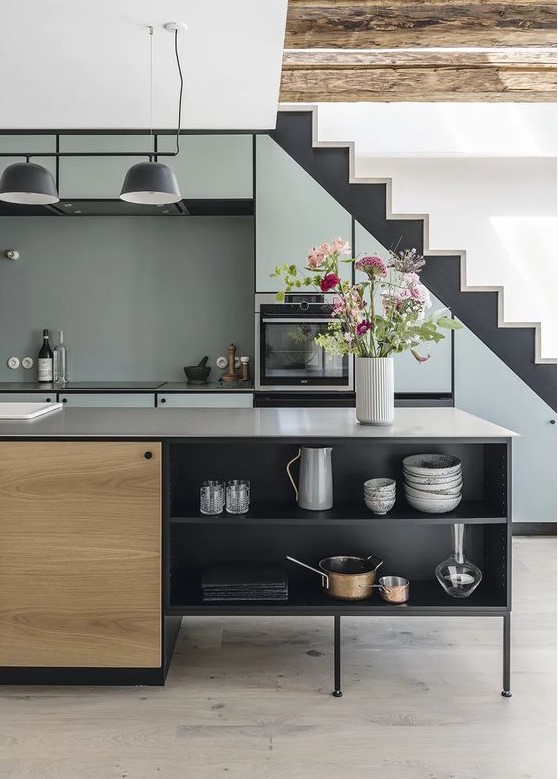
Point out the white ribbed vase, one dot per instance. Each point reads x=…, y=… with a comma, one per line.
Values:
x=374, y=390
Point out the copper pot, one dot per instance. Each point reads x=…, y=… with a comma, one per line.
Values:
x=344, y=577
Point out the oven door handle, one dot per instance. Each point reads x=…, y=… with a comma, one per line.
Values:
x=295, y=321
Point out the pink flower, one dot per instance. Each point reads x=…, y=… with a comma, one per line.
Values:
x=372, y=266
x=338, y=304
x=325, y=249
x=410, y=279
x=421, y=295
x=315, y=258
x=329, y=281
x=363, y=327
x=419, y=357
x=341, y=246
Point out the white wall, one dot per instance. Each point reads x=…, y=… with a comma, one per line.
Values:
x=485, y=174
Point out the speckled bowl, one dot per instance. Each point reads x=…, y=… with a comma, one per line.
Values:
x=380, y=505
x=436, y=481
x=433, y=506
x=379, y=487
x=431, y=495
x=432, y=464
x=424, y=490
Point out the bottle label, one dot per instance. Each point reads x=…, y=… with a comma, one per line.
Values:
x=45, y=368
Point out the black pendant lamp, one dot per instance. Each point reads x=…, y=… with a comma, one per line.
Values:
x=152, y=182
x=26, y=182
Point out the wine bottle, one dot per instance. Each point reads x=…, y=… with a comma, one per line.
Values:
x=60, y=364
x=45, y=361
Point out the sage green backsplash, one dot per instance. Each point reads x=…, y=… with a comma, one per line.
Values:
x=137, y=298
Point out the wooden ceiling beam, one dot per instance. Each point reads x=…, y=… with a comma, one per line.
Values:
x=386, y=24
x=418, y=76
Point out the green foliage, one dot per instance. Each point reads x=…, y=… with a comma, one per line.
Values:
x=359, y=329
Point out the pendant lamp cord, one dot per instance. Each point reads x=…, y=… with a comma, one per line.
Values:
x=150, y=28
x=177, y=55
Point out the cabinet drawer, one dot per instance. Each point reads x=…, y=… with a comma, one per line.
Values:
x=108, y=400
x=28, y=397
x=206, y=400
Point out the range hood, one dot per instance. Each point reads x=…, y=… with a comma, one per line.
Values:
x=116, y=207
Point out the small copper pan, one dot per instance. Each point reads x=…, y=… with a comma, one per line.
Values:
x=345, y=577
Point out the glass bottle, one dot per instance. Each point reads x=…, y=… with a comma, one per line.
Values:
x=45, y=361
x=60, y=360
x=457, y=575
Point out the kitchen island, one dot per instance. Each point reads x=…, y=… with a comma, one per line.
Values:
x=102, y=545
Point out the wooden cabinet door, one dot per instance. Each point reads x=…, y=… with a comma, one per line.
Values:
x=80, y=554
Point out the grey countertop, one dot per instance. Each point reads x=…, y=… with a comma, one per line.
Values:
x=297, y=423
x=119, y=386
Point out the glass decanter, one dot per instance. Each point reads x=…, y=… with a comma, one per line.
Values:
x=457, y=575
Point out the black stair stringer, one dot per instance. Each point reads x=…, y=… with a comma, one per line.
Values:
x=366, y=202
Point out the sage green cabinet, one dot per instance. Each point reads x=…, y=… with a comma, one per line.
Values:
x=433, y=376
x=293, y=213
x=211, y=166
x=205, y=400
x=208, y=166
x=485, y=386
x=27, y=144
x=98, y=177
x=27, y=397
x=107, y=399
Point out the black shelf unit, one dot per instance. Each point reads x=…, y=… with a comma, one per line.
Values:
x=411, y=543
x=469, y=511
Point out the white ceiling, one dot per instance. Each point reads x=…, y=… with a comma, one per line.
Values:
x=84, y=64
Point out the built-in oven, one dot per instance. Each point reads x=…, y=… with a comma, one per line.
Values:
x=287, y=358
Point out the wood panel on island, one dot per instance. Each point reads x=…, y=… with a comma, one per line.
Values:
x=80, y=556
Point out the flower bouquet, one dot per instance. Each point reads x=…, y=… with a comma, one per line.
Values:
x=382, y=314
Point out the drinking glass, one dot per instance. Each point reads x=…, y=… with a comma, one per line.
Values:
x=238, y=496
x=212, y=497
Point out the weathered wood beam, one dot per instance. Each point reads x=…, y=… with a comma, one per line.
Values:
x=497, y=76
x=369, y=24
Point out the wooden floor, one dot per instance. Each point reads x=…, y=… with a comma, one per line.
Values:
x=250, y=699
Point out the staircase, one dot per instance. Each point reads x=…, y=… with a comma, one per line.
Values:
x=369, y=202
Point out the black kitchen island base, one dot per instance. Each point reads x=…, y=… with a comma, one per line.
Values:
x=163, y=457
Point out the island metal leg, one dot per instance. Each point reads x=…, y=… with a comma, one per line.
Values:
x=506, y=691
x=337, y=693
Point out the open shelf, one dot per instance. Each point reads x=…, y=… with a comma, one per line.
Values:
x=282, y=513
x=426, y=597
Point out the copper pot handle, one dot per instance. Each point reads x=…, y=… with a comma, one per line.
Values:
x=376, y=560
x=325, y=577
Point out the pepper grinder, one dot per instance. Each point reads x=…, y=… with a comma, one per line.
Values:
x=230, y=375
x=245, y=369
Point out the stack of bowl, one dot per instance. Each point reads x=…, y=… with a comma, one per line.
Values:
x=379, y=495
x=432, y=482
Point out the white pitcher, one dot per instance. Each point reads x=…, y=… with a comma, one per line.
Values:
x=315, y=481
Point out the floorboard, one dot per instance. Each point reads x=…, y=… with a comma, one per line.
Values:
x=250, y=699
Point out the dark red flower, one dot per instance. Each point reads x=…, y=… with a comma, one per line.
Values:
x=363, y=327
x=329, y=281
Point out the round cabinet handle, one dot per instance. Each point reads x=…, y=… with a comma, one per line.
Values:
x=148, y=455
x=47, y=400
x=163, y=400
x=64, y=400
x=552, y=421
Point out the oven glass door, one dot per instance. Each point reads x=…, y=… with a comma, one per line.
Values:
x=290, y=356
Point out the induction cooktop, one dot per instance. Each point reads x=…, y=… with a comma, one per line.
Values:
x=110, y=385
